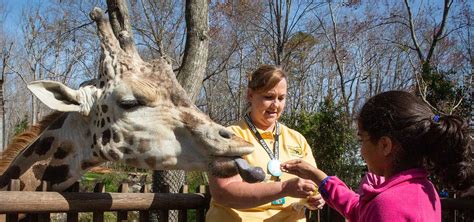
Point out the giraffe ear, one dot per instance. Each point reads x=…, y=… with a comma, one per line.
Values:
x=56, y=95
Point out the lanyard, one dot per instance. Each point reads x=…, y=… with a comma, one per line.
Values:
x=262, y=142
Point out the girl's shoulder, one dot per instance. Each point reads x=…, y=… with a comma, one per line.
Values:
x=412, y=193
x=413, y=201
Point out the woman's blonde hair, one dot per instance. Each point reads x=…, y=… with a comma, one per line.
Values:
x=265, y=78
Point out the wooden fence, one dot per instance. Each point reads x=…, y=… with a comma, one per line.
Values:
x=40, y=205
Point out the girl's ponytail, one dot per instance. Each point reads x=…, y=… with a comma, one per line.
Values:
x=449, y=151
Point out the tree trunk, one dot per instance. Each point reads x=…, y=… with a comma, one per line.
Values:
x=196, y=49
x=2, y=107
x=5, y=60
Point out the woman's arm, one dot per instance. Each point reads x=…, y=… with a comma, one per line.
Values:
x=235, y=193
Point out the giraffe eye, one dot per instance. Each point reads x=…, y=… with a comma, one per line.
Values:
x=129, y=104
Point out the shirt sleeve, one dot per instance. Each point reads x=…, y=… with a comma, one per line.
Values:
x=340, y=197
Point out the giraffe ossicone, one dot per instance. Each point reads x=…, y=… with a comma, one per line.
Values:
x=134, y=112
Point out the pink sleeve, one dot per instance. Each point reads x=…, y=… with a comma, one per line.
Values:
x=340, y=197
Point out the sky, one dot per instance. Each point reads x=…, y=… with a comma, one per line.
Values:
x=14, y=9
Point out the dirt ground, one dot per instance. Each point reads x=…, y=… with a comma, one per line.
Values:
x=100, y=169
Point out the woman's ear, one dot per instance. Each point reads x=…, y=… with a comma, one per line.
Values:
x=386, y=145
x=249, y=95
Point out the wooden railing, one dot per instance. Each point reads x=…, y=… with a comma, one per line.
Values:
x=40, y=205
x=14, y=202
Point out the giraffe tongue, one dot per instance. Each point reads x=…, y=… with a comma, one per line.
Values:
x=248, y=173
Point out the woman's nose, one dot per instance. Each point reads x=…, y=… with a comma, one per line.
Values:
x=274, y=103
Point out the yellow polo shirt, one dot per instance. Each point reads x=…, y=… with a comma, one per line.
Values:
x=292, y=146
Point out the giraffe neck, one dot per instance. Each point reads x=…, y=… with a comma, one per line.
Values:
x=60, y=155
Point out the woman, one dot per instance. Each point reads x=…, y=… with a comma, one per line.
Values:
x=275, y=199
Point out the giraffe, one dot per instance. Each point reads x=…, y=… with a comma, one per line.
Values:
x=134, y=112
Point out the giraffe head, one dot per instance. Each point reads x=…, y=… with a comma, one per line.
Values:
x=137, y=112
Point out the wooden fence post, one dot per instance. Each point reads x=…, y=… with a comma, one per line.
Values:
x=164, y=214
x=122, y=215
x=43, y=217
x=98, y=216
x=183, y=214
x=144, y=216
x=201, y=213
x=73, y=216
x=13, y=186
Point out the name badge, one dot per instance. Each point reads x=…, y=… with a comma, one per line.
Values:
x=280, y=201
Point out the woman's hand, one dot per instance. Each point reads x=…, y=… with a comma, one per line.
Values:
x=297, y=187
x=303, y=169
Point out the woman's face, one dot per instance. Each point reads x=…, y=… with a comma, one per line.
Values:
x=266, y=106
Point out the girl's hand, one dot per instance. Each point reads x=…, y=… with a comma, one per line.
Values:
x=304, y=170
x=299, y=168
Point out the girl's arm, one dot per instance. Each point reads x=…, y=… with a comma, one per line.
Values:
x=333, y=190
x=340, y=197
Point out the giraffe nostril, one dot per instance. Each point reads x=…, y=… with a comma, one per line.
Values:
x=225, y=133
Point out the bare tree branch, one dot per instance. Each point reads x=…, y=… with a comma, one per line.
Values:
x=439, y=33
x=412, y=33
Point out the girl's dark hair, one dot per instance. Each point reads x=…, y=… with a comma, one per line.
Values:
x=441, y=144
x=265, y=78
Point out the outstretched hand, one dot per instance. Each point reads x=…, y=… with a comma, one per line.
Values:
x=303, y=169
x=298, y=167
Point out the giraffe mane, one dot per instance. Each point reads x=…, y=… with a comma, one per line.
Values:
x=22, y=140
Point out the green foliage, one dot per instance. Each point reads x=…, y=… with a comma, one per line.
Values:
x=196, y=178
x=332, y=140
x=443, y=91
x=21, y=126
x=108, y=216
x=122, y=167
x=111, y=180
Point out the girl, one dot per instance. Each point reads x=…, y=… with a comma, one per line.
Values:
x=402, y=140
